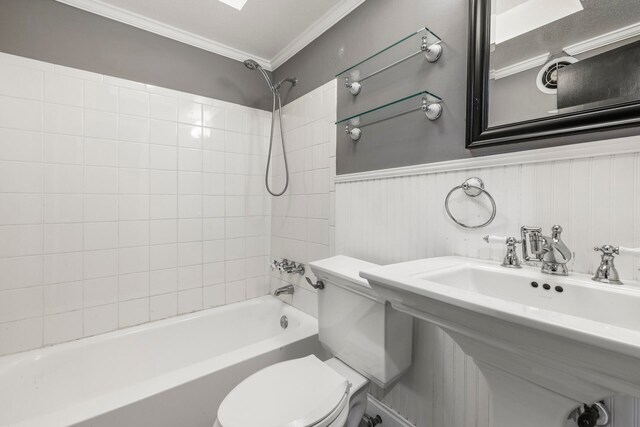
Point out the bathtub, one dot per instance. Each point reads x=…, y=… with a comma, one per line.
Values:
x=171, y=373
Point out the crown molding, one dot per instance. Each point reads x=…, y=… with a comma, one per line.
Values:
x=315, y=30
x=139, y=21
x=115, y=13
x=565, y=152
x=603, y=40
x=519, y=67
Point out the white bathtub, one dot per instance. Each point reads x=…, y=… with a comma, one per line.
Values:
x=171, y=373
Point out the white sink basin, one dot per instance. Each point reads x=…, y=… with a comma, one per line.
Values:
x=542, y=351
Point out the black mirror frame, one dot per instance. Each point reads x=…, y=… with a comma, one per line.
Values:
x=478, y=134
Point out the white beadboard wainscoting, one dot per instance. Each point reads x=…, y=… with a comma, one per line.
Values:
x=122, y=203
x=384, y=219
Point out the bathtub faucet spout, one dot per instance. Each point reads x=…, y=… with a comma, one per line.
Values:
x=288, y=290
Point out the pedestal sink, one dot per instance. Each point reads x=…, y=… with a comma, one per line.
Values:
x=544, y=343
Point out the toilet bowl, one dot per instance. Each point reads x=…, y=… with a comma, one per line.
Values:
x=302, y=392
x=370, y=342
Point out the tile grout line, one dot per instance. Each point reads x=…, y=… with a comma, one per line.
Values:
x=83, y=213
x=42, y=340
x=202, y=169
x=148, y=100
x=117, y=140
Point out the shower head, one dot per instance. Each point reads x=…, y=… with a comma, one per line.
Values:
x=251, y=64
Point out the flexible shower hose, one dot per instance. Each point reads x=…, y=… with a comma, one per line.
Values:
x=276, y=94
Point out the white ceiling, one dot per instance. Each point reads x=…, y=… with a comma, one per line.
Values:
x=270, y=31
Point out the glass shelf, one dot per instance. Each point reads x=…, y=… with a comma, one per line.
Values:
x=423, y=41
x=425, y=101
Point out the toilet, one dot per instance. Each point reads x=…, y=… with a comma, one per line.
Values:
x=369, y=342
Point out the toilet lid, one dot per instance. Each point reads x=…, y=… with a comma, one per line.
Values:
x=296, y=393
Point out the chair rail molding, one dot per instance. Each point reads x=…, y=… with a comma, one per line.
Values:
x=574, y=151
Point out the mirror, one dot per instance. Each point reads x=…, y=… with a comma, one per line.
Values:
x=545, y=68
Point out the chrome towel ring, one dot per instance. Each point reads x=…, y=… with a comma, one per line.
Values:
x=472, y=187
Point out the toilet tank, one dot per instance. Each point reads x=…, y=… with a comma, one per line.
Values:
x=357, y=326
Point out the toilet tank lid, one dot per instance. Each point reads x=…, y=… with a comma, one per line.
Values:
x=344, y=271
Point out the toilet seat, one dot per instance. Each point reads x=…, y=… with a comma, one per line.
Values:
x=297, y=393
x=338, y=418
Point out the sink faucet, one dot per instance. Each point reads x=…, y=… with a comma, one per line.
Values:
x=550, y=250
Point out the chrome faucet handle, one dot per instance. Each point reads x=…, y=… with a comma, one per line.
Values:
x=607, y=272
x=286, y=265
x=607, y=250
x=295, y=268
x=511, y=259
x=291, y=267
x=279, y=265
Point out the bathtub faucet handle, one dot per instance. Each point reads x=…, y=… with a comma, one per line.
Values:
x=294, y=268
x=278, y=265
x=287, y=266
x=318, y=285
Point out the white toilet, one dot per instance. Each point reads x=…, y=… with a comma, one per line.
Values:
x=369, y=340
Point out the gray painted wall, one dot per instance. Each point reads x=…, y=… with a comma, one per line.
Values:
x=60, y=34
x=410, y=139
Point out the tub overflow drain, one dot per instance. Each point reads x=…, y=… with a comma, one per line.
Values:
x=284, y=322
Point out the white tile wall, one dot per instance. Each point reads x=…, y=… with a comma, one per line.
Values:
x=125, y=203
x=122, y=203
x=301, y=222
x=398, y=219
